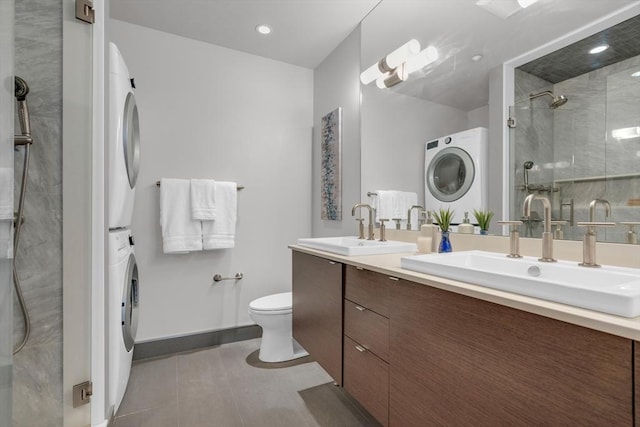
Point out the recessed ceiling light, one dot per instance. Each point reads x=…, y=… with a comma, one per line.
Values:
x=263, y=29
x=599, y=49
x=636, y=74
x=476, y=58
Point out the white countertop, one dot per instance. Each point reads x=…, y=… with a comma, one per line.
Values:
x=390, y=265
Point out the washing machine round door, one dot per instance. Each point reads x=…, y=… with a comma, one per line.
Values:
x=450, y=174
x=130, y=304
x=131, y=139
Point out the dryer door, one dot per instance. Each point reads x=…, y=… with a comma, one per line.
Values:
x=131, y=139
x=450, y=174
x=130, y=304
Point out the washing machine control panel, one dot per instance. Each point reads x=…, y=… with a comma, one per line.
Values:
x=432, y=144
x=132, y=242
x=447, y=140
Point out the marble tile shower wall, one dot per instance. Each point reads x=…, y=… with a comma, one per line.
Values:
x=37, y=386
x=534, y=141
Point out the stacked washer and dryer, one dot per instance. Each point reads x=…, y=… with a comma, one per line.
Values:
x=456, y=175
x=124, y=159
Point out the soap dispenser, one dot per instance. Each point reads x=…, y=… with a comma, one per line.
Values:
x=632, y=236
x=466, y=227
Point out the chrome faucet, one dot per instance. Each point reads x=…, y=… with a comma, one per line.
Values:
x=547, y=237
x=592, y=208
x=409, y=214
x=364, y=205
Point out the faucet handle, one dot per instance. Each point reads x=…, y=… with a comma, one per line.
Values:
x=514, y=238
x=397, y=220
x=589, y=242
x=382, y=229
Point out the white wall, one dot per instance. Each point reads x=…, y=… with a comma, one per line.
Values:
x=211, y=112
x=337, y=84
x=395, y=128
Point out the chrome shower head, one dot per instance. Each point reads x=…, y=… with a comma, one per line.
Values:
x=556, y=101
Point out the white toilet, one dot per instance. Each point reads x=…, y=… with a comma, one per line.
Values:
x=273, y=314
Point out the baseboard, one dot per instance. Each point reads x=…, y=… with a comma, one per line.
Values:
x=168, y=346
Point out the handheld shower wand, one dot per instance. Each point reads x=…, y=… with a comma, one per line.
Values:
x=23, y=139
x=21, y=92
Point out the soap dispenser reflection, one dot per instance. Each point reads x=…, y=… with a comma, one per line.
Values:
x=466, y=227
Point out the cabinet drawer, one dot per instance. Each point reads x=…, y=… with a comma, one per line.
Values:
x=367, y=328
x=366, y=378
x=369, y=289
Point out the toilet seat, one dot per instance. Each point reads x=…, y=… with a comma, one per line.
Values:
x=273, y=304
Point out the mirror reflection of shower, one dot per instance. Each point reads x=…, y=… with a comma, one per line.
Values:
x=24, y=141
x=556, y=101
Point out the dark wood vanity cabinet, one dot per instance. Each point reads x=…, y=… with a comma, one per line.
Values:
x=366, y=340
x=416, y=355
x=317, y=310
x=456, y=360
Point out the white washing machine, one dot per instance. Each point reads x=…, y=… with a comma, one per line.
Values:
x=122, y=316
x=124, y=142
x=456, y=172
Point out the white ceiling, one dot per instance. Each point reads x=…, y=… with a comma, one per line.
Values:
x=304, y=31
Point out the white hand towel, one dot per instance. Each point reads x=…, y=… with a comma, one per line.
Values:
x=180, y=233
x=6, y=193
x=392, y=204
x=203, y=199
x=221, y=233
x=384, y=204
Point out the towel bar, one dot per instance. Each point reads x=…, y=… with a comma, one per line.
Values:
x=240, y=187
x=371, y=193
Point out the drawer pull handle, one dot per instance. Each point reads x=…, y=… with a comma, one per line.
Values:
x=360, y=308
x=359, y=268
x=394, y=278
x=332, y=262
x=361, y=349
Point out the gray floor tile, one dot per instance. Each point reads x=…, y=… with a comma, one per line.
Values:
x=218, y=386
x=162, y=416
x=152, y=383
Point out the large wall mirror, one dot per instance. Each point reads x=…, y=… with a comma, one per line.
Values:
x=460, y=89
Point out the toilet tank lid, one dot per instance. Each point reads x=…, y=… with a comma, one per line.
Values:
x=274, y=302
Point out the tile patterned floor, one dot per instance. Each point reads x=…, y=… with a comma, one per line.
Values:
x=218, y=386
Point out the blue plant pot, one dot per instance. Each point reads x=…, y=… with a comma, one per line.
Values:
x=445, y=243
x=484, y=232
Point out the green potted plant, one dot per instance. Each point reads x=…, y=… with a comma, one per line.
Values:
x=443, y=217
x=483, y=218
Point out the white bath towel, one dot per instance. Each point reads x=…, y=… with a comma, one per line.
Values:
x=6, y=193
x=180, y=233
x=221, y=233
x=395, y=204
x=203, y=199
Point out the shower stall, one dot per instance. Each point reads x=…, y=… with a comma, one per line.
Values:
x=568, y=142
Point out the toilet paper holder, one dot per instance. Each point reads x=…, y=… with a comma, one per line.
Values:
x=219, y=278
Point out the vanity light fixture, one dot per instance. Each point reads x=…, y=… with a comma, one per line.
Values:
x=598, y=49
x=263, y=29
x=626, y=133
x=388, y=64
x=476, y=58
x=396, y=67
x=504, y=8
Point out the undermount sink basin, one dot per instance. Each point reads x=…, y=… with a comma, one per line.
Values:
x=353, y=246
x=613, y=290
